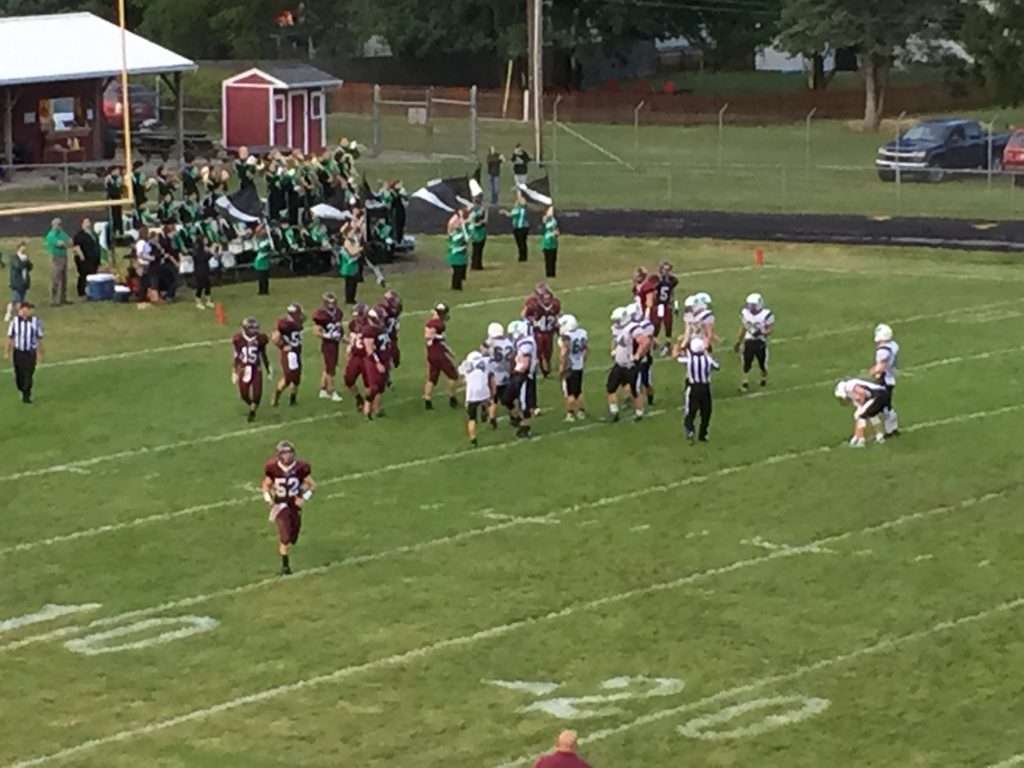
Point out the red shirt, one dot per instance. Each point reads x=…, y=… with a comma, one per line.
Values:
x=645, y=289
x=291, y=333
x=250, y=350
x=561, y=760
x=547, y=316
x=439, y=341
x=287, y=485
x=329, y=321
x=358, y=329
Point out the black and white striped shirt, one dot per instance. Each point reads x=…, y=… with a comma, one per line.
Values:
x=25, y=334
x=699, y=366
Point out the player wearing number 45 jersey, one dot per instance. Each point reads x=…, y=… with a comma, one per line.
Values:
x=248, y=363
x=287, y=486
x=288, y=338
x=757, y=323
x=327, y=325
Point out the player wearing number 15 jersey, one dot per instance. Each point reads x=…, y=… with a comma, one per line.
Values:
x=327, y=325
x=288, y=338
x=287, y=486
x=248, y=363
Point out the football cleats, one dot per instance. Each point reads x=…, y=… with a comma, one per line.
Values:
x=567, y=324
x=495, y=331
x=883, y=333
x=755, y=302
x=697, y=345
x=250, y=326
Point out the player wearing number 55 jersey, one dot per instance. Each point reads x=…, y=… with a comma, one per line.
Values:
x=757, y=323
x=248, y=363
x=288, y=338
x=287, y=486
x=327, y=325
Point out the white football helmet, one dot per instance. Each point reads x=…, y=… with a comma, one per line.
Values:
x=883, y=333
x=620, y=315
x=567, y=323
x=703, y=298
x=697, y=345
x=690, y=302
x=755, y=300
x=841, y=390
x=473, y=357
x=636, y=312
x=517, y=329
x=495, y=331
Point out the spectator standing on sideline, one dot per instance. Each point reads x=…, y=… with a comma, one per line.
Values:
x=201, y=256
x=57, y=243
x=24, y=341
x=350, y=259
x=87, y=254
x=456, y=256
x=494, y=161
x=564, y=755
x=549, y=241
x=520, y=165
x=520, y=226
x=261, y=264
x=21, y=280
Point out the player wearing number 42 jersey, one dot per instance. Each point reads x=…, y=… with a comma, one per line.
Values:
x=287, y=486
x=248, y=363
x=328, y=326
x=288, y=338
x=757, y=323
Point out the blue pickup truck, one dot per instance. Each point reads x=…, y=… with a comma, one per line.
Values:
x=933, y=147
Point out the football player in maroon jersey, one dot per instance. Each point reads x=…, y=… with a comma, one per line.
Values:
x=288, y=338
x=355, y=353
x=543, y=309
x=394, y=304
x=639, y=278
x=660, y=303
x=248, y=363
x=375, y=363
x=287, y=486
x=327, y=325
x=439, y=356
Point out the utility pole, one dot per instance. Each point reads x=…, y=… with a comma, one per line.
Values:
x=535, y=27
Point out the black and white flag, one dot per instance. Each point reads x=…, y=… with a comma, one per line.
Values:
x=537, y=191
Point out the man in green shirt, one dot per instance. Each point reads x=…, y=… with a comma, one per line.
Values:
x=520, y=226
x=478, y=232
x=261, y=264
x=549, y=241
x=57, y=243
x=456, y=256
x=350, y=254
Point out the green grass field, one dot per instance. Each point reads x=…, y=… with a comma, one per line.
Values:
x=771, y=599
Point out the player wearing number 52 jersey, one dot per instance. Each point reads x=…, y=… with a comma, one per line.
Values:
x=757, y=323
x=500, y=350
x=288, y=338
x=248, y=363
x=328, y=326
x=573, y=350
x=287, y=486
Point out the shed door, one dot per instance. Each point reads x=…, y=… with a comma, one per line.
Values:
x=298, y=118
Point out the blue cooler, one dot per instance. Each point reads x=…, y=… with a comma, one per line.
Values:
x=122, y=293
x=99, y=287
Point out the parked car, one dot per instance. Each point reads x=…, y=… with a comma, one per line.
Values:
x=141, y=102
x=1013, y=157
x=933, y=147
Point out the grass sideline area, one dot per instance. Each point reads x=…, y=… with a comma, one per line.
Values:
x=773, y=598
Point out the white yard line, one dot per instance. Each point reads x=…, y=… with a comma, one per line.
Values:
x=729, y=694
x=594, y=145
x=501, y=630
x=1010, y=762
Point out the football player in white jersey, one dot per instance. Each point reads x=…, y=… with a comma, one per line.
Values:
x=498, y=347
x=477, y=371
x=626, y=353
x=887, y=359
x=573, y=350
x=757, y=323
x=869, y=399
x=644, y=332
x=521, y=396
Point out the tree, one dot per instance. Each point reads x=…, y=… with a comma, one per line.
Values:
x=880, y=30
x=993, y=33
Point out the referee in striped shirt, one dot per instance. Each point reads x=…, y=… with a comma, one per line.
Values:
x=699, y=366
x=25, y=342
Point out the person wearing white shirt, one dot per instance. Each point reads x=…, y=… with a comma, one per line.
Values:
x=478, y=372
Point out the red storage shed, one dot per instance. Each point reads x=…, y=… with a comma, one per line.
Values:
x=281, y=105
